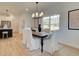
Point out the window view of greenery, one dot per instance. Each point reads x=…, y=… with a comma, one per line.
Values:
x=46, y=23
x=54, y=22
x=51, y=23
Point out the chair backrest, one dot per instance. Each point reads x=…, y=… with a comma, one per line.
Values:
x=33, y=43
x=27, y=36
x=28, y=39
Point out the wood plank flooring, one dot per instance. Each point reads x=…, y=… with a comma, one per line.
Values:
x=14, y=47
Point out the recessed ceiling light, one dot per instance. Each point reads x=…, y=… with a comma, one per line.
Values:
x=26, y=9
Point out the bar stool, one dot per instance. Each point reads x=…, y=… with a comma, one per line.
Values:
x=4, y=33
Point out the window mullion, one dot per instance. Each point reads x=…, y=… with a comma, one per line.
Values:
x=49, y=23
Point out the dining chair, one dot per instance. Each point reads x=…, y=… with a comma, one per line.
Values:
x=30, y=42
x=5, y=33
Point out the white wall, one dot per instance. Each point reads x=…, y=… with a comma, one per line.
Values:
x=15, y=24
x=68, y=37
x=71, y=36
x=64, y=35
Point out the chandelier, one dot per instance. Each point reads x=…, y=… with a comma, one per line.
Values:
x=7, y=14
x=4, y=13
x=37, y=14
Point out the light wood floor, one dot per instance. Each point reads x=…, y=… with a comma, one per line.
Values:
x=14, y=47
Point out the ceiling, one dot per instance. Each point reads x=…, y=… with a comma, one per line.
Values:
x=19, y=7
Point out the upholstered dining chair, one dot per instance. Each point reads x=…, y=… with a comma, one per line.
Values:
x=30, y=42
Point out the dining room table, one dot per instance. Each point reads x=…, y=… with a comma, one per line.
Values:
x=42, y=36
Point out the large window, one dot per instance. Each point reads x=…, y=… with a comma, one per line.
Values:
x=51, y=23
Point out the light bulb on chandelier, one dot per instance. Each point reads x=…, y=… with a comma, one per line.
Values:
x=37, y=14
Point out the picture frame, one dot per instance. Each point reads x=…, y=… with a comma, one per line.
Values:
x=73, y=19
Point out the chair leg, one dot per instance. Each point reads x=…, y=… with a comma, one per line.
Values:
x=7, y=35
x=3, y=36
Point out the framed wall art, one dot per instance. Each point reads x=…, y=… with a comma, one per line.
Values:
x=73, y=19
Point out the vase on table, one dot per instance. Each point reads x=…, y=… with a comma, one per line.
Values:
x=39, y=27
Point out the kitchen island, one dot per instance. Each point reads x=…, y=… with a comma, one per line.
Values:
x=9, y=30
